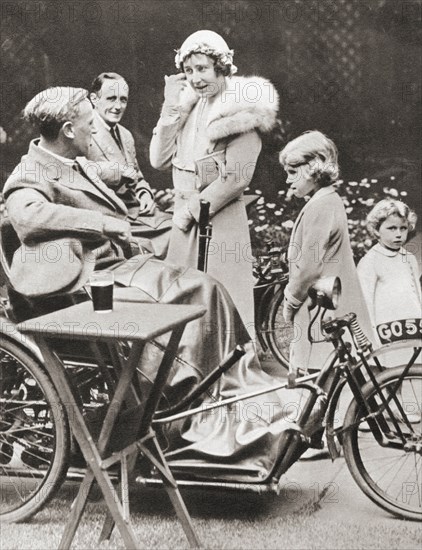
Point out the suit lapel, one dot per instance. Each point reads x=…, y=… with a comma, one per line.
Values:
x=96, y=185
x=86, y=181
x=125, y=144
x=105, y=142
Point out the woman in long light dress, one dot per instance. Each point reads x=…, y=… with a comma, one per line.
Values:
x=209, y=134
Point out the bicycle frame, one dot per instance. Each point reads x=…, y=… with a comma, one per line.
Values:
x=374, y=413
x=348, y=365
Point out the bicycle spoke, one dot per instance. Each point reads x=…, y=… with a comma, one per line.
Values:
x=390, y=474
x=34, y=436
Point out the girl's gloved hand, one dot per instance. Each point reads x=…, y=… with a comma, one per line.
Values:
x=289, y=311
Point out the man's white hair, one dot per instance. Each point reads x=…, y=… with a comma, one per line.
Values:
x=52, y=107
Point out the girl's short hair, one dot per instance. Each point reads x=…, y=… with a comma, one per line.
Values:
x=313, y=145
x=389, y=207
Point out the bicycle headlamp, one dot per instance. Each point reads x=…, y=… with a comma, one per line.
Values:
x=325, y=292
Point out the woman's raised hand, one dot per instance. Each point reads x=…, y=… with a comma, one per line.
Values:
x=174, y=84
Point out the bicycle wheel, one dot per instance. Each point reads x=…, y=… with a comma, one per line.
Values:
x=262, y=298
x=280, y=333
x=389, y=474
x=34, y=436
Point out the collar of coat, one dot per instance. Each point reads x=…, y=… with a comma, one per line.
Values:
x=39, y=166
x=247, y=103
x=321, y=193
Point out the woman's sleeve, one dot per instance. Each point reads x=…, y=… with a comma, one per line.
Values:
x=163, y=142
x=242, y=154
x=368, y=281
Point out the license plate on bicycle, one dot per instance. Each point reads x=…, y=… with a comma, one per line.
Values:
x=401, y=329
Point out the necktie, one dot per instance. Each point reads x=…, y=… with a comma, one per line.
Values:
x=77, y=168
x=114, y=131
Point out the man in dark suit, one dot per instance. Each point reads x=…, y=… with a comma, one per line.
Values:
x=113, y=149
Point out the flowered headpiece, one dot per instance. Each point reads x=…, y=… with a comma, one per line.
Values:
x=208, y=43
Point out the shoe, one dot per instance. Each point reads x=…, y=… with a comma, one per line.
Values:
x=315, y=454
x=318, y=449
x=414, y=418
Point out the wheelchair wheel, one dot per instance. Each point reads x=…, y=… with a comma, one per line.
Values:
x=280, y=333
x=390, y=472
x=34, y=436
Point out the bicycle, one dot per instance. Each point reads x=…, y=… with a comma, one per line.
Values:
x=381, y=445
x=271, y=275
x=35, y=440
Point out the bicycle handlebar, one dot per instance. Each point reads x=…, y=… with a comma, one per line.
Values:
x=350, y=321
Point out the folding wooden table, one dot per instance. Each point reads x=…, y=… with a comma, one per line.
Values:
x=136, y=323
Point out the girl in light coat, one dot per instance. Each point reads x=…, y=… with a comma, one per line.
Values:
x=319, y=245
x=209, y=134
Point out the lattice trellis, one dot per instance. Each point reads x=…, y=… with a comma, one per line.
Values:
x=26, y=71
x=325, y=50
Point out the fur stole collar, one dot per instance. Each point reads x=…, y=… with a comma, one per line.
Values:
x=247, y=103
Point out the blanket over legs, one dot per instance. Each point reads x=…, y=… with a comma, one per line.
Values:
x=245, y=435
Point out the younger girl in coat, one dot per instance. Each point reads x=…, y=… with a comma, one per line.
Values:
x=319, y=245
x=389, y=273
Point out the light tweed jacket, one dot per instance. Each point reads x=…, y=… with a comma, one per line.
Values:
x=59, y=217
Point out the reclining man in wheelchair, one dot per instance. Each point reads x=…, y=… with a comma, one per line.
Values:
x=69, y=223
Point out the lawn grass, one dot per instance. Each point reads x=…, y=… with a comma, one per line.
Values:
x=222, y=522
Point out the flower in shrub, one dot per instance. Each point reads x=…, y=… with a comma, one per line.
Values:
x=271, y=222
